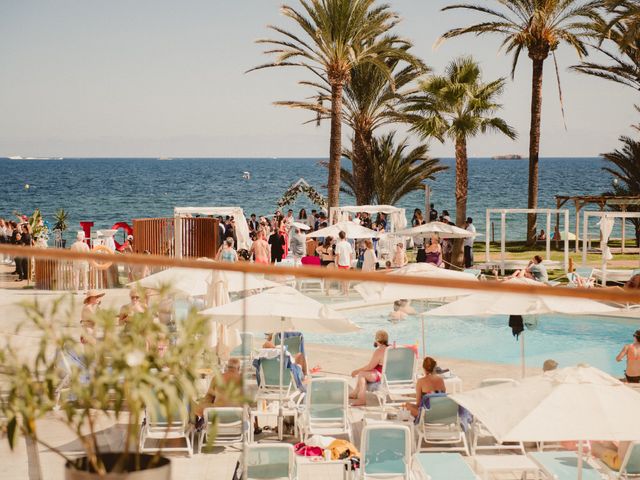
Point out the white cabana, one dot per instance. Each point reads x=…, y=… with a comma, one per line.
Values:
x=574, y=403
x=444, y=230
x=496, y=303
x=241, y=227
x=396, y=215
x=353, y=230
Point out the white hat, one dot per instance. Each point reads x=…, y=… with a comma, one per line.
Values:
x=80, y=235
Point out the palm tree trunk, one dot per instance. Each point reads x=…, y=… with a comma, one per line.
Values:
x=534, y=146
x=359, y=166
x=335, y=146
x=462, y=189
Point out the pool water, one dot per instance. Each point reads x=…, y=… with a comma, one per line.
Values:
x=568, y=340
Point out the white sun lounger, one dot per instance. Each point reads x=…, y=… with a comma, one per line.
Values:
x=442, y=466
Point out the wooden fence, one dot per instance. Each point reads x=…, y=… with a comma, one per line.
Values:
x=157, y=236
x=53, y=274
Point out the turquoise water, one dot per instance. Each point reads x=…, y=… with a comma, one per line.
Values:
x=110, y=190
x=568, y=340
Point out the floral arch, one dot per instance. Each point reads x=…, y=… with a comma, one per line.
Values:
x=301, y=186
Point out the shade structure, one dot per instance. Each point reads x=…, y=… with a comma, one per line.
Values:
x=281, y=308
x=495, y=303
x=380, y=292
x=573, y=403
x=444, y=230
x=195, y=282
x=301, y=226
x=351, y=229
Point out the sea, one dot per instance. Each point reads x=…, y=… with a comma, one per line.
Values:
x=110, y=190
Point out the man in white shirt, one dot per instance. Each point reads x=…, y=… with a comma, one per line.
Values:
x=344, y=256
x=468, y=243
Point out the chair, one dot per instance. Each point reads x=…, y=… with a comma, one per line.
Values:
x=227, y=423
x=563, y=466
x=327, y=409
x=443, y=466
x=478, y=430
x=269, y=384
x=293, y=343
x=398, y=376
x=310, y=261
x=440, y=426
x=159, y=426
x=630, y=466
x=244, y=351
x=385, y=452
x=269, y=461
x=581, y=277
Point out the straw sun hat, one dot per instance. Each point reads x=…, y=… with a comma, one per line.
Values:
x=92, y=294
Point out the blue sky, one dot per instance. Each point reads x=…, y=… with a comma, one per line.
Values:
x=166, y=78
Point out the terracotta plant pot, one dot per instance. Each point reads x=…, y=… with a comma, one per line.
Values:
x=161, y=469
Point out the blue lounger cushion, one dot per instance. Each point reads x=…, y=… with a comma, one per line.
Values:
x=445, y=466
x=564, y=465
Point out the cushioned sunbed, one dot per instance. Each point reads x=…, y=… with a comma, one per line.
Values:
x=564, y=465
x=444, y=466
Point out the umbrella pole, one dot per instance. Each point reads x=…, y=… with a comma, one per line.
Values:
x=580, y=459
x=522, y=364
x=280, y=413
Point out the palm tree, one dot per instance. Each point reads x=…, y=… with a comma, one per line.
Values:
x=625, y=168
x=539, y=27
x=370, y=100
x=457, y=106
x=338, y=35
x=624, y=57
x=396, y=170
x=627, y=13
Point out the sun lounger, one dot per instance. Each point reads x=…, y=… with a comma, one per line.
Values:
x=294, y=341
x=478, y=430
x=161, y=426
x=630, y=467
x=226, y=423
x=269, y=461
x=398, y=376
x=439, y=427
x=563, y=466
x=443, y=466
x=385, y=452
x=327, y=409
x=269, y=380
x=582, y=277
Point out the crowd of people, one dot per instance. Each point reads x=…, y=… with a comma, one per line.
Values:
x=15, y=233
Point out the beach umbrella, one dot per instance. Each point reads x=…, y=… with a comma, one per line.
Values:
x=351, y=229
x=444, y=230
x=224, y=339
x=301, y=226
x=281, y=309
x=390, y=292
x=574, y=403
x=497, y=303
x=195, y=282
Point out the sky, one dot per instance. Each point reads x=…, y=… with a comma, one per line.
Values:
x=167, y=78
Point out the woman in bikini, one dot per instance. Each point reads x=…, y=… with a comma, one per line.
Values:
x=430, y=383
x=372, y=371
x=632, y=352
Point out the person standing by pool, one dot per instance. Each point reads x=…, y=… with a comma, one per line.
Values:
x=369, y=261
x=468, y=243
x=260, y=249
x=632, y=352
x=344, y=256
x=298, y=243
x=277, y=242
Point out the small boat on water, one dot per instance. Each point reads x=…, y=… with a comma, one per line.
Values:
x=246, y=175
x=512, y=156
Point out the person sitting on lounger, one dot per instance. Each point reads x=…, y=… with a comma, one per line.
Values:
x=372, y=371
x=430, y=383
x=299, y=358
x=535, y=271
x=611, y=453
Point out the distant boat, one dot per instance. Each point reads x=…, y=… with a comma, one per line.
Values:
x=513, y=156
x=165, y=158
x=246, y=175
x=15, y=158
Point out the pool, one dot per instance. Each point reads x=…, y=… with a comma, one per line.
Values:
x=568, y=340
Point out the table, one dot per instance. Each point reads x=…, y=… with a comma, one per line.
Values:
x=486, y=465
x=286, y=412
x=311, y=468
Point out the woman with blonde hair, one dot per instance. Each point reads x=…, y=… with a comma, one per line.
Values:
x=434, y=251
x=370, y=260
x=372, y=371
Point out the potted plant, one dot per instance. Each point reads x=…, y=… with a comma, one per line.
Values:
x=61, y=217
x=145, y=366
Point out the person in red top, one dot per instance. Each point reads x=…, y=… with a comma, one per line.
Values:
x=372, y=371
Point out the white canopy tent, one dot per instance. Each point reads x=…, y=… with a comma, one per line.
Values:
x=503, y=232
x=444, y=230
x=242, y=230
x=396, y=215
x=606, y=223
x=351, y=229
